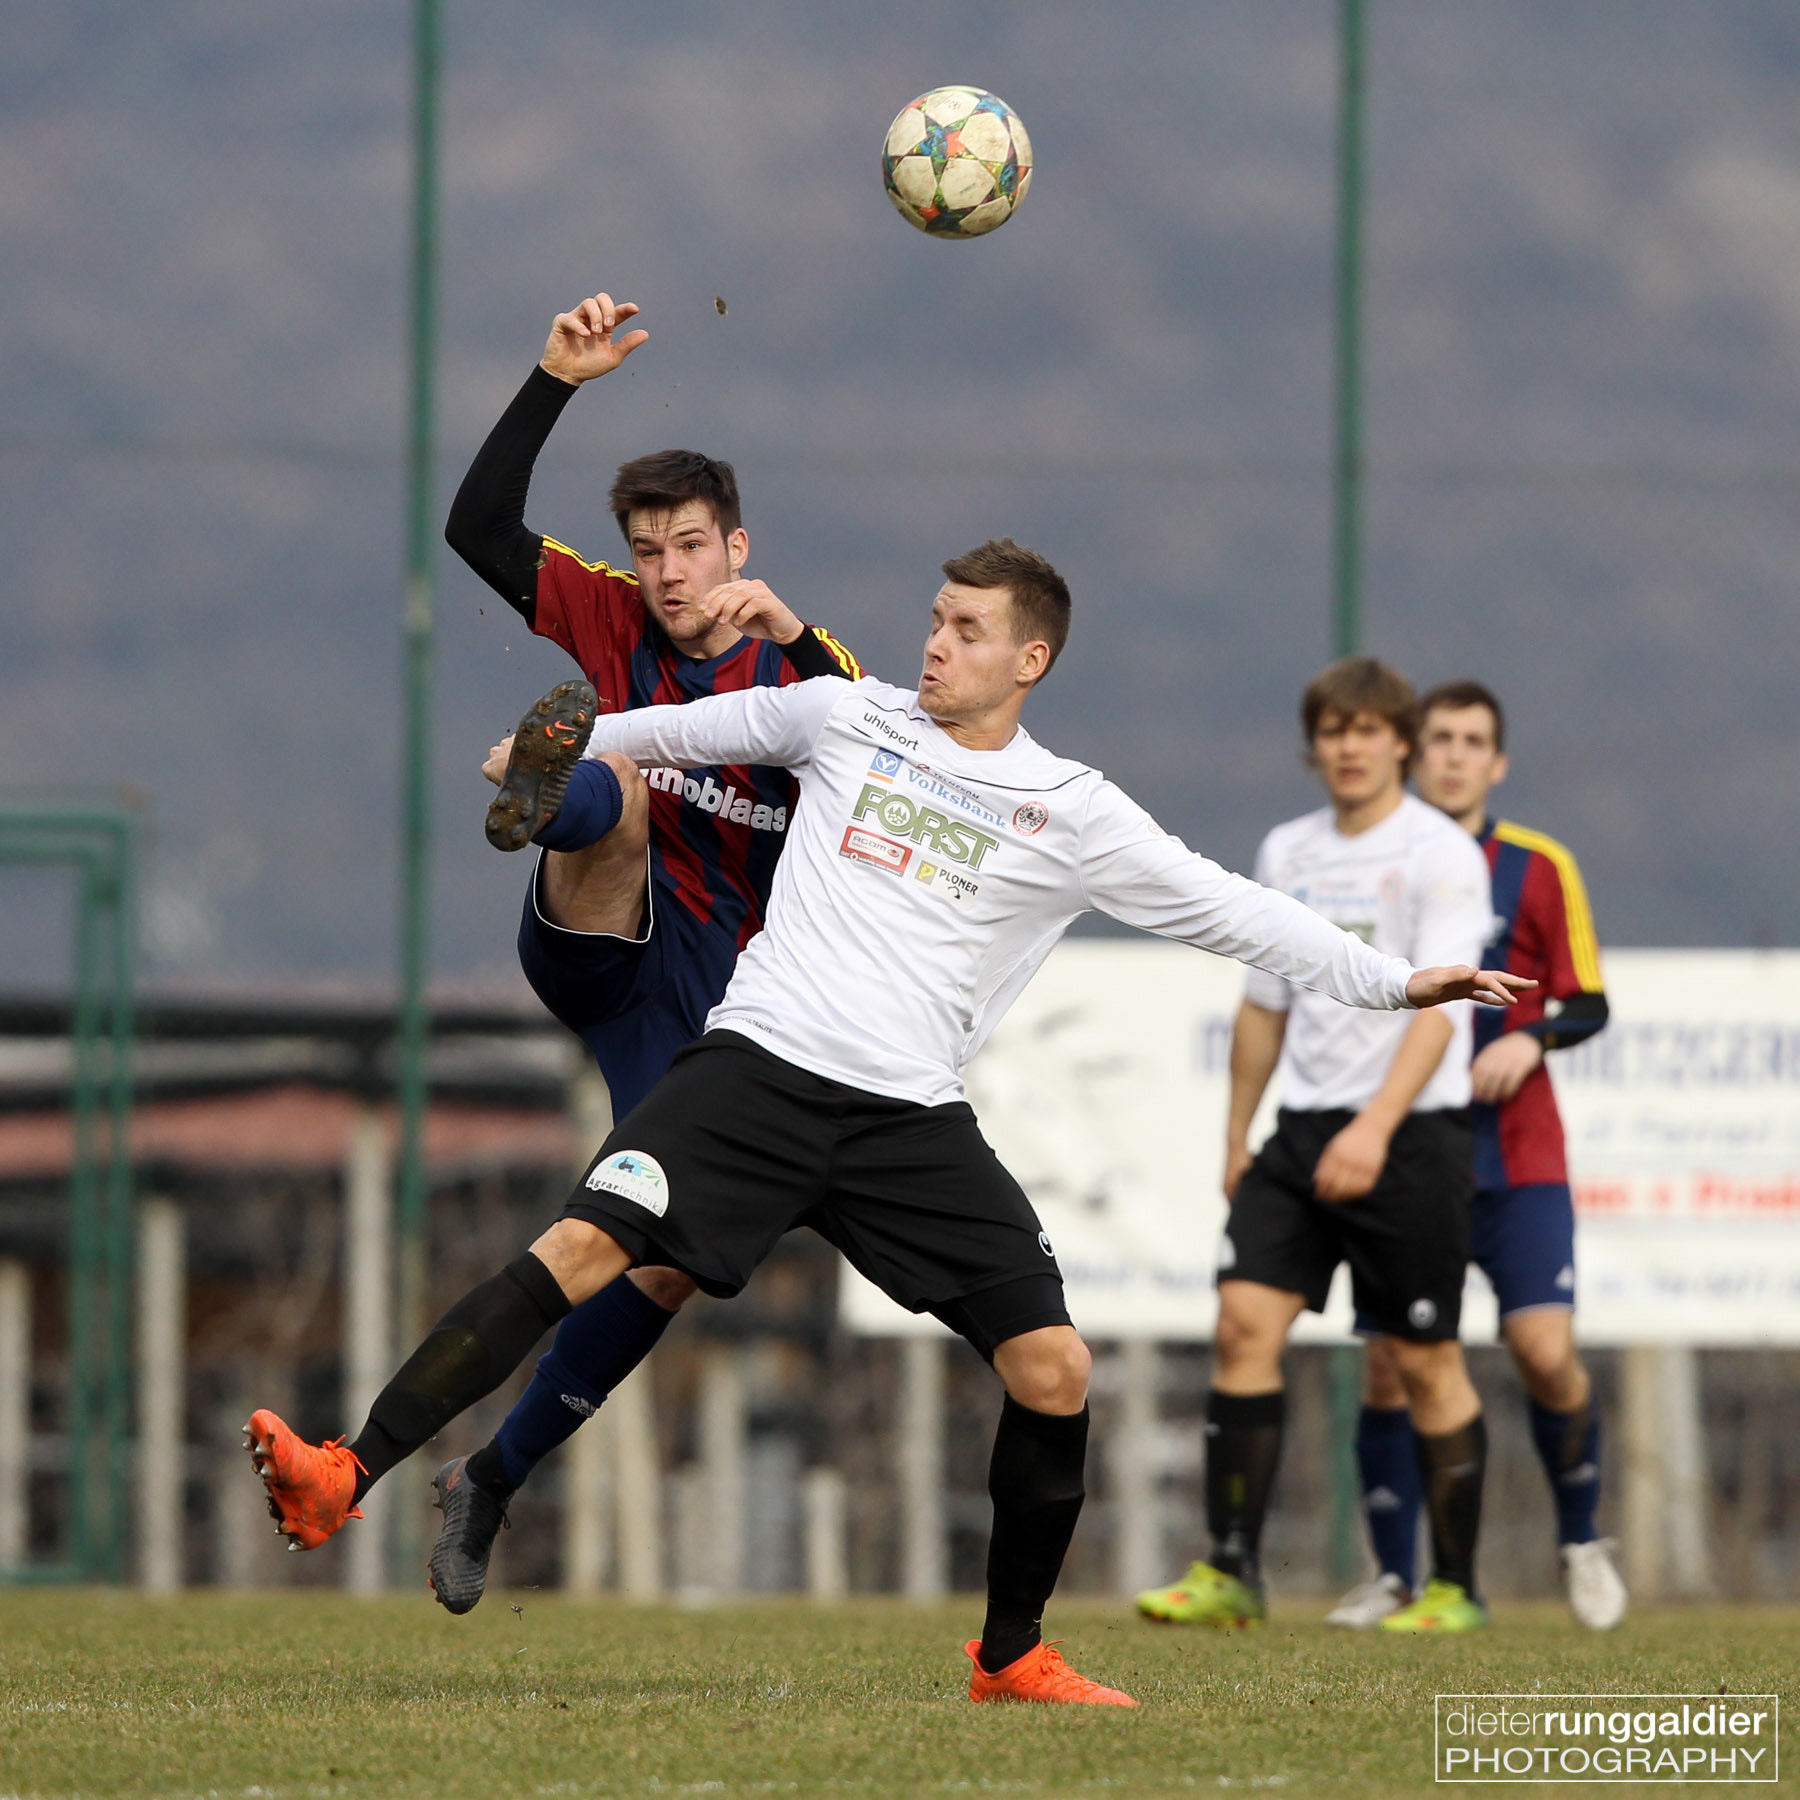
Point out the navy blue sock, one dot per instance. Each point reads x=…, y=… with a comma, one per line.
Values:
x=590, y=808
x=1568, y=1445
x=1392, y=1492
x=594, y=1349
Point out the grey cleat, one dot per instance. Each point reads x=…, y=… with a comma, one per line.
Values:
x=546, y=748
x=472, y=1520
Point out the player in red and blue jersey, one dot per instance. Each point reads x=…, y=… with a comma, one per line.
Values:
x=649, y=883
x=1524, y=1223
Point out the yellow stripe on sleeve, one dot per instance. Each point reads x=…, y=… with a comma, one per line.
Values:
x=1584, y=946
x=839, y=654
x=593, y=568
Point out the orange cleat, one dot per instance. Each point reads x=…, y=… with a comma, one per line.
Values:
x=310, y=1486
x=1039, y=1674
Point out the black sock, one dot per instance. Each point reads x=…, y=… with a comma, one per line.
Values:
x=471, y=1350
x=1035, y=1480
x=1452, y=1466
x=1243, y=1450
x=487, y=1470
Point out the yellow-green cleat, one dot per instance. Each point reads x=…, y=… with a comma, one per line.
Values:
x=1204, y=1596
x=1443, y=1607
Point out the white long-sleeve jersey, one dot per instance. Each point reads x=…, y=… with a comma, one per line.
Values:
x=923, y=884
x=1415, y=885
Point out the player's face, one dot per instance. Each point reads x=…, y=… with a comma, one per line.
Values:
x=1359, y=757
x=1458, y=763
x=680, y=556
x=973, y=663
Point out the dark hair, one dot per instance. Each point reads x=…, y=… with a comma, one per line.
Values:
x=1360, y=684
x=1040, y=597
x=1453, y=696
x=666, y=479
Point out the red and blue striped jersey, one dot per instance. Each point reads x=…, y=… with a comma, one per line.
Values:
x=1543, y=929
x=715, y=834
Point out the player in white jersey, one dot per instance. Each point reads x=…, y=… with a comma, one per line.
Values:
x=1369, y=1162
x=936, y=855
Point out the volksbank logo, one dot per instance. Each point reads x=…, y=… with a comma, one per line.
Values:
x=949, y=838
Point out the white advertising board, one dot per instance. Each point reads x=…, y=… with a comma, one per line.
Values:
x=1104, y=1091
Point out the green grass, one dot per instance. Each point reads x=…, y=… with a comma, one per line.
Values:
x=287, y=1696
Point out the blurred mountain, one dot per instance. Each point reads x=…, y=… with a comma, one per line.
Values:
x=1583, y=407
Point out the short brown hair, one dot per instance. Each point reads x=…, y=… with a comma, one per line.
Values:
x=1453, y=696
x=1040, y=597
x=666, y=479
x=1360, y=684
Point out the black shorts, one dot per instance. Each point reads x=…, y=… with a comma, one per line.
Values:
x=734, y=1147
x=1406, y=1240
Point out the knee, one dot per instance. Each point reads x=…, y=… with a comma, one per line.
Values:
x=1240, y=1338
x=1046, y=1370
x=581, y=1257
x=634, y=792
x=1552, y=1377
x=1423, y=1368
x=669, y=1288
x=1382, y=1386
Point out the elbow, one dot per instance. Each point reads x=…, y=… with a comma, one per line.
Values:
x=460, y=532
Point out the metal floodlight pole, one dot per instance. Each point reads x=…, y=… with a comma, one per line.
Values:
x=414, y=1024
x=1344, y=1383
x=1346, y=452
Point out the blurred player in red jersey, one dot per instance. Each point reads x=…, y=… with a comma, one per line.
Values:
x=648, y=883
x=1524, y=1237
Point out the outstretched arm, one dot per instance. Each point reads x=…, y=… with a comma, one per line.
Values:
x=776, y=726
x=1134, y=871
x=486, y=527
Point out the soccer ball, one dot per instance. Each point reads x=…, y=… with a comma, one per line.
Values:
x=957, y=162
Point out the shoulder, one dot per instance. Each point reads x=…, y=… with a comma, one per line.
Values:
x=1438, y=837
x=558, y=557
x=1029, y=765
x=1538, y=844
x=1295, y=834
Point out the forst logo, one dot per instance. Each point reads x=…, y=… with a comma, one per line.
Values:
x=946, y=837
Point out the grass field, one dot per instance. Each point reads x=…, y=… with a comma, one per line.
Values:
x=285, y=1696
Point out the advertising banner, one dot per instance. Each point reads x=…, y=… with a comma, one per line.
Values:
x=1104, y=1091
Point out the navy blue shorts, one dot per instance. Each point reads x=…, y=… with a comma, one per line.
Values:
x=1523, y=1241
x=633, y=1001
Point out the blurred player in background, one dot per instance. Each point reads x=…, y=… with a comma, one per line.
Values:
x=939, y=855
x=646, y=889
x=1368, y=1163
x=1524, y=1233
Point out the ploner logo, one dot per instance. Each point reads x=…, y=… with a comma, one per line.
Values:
x=1607, y=1737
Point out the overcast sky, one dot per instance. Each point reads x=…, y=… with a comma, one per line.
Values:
x=1583, y=408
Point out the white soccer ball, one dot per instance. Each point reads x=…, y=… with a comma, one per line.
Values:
x=957, y=162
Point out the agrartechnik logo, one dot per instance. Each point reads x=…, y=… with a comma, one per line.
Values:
x=1607, y=1737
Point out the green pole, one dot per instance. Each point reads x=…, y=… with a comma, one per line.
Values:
x=1346, y=455
x=100, y=847
x=414, y=1024
x=416, y=780
x=1344, y=1372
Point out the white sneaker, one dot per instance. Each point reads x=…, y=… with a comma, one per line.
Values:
x=1596, y=1594
x=1369, y=1602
